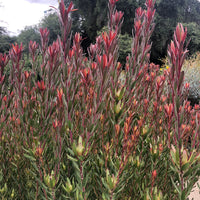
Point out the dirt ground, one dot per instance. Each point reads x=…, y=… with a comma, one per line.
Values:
x=195, y=193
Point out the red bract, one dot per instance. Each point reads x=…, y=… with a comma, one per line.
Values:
x=93, y=49
x=33, y=46
x=77, y=38
x=168, y=110
x=159, y=81
x=196, y=107
x=27, y=74
x=44, y=33
x=94, y=65
x=112, y=2
x=16, y=52
x=137, y=26
x=65, y=12
x=3, y=62
x=99, y=59
x=117, y=16
x=119, y=66
x=104, y=60
x=70, y=8
x=86, y=76
x=187, y=86
x=154, y=174
x=117, y=129
x=98, y=42
x=180, y=33
x=150, y=3
x=141, y=41
x=55, y=123
x=5, y=98
x=59, y=96
x=54, y=51
x=108, y=39
x=177, y=53
x=150, y=14
x=163, y=98
x=173, y=50
x=41, y=85
x=66, y=22
x=139, y=13
x=86, y=73
x=71, y=53
x=77, y=45
x=39, y=151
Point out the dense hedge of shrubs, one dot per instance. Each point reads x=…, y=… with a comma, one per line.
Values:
x=77, y=127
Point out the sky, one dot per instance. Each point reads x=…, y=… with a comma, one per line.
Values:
x=16, y=14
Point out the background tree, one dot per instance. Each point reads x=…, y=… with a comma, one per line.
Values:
x=194, y=36
x=91, y=17
x=29, y=33
x=92, y=14
x=5, y=40
x=168, y=14
x=51, y=22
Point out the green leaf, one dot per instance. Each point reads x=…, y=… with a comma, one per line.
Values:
x=185, y=166
x=30, y=157
x=175, y=186
x=183, y=195
x=105, y=183
x=181, y=79
x=187, y=173
x=72, y=159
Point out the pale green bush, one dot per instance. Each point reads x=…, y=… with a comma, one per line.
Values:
x=192, y=75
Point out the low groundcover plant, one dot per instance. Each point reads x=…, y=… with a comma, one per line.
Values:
x=77, y=127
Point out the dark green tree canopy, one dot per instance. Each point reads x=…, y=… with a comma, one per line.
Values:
x=29, y=33
x=51, y=22
x=5, y=40
x=168, y=14
x=92, y=16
